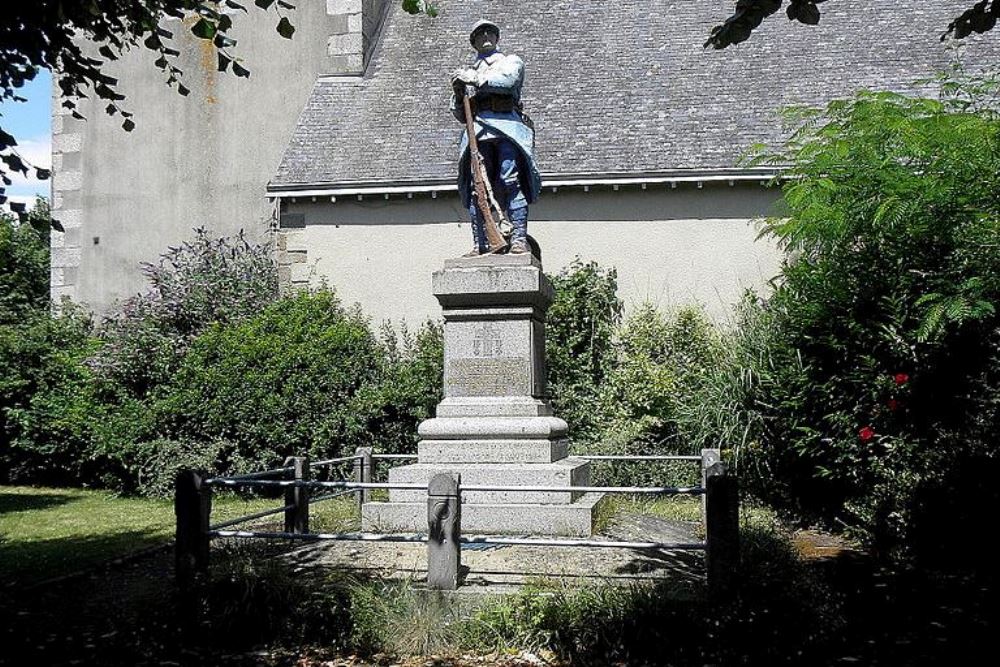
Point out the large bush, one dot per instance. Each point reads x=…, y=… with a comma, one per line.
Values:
x=876, y=386
x=304, y=376
x=579, y=342
x=192, y=286
x=24, y=264
x=44, y=416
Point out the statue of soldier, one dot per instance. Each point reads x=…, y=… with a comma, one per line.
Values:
x=506, y=137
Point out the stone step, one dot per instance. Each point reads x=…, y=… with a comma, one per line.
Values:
x=492, y=451
x=491, y=406
x=499, y=428
x=568, y=520
x=568, y=472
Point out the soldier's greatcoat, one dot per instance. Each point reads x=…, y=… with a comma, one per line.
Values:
x=499, y=74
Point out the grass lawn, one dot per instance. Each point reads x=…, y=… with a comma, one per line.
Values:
x=47, y=532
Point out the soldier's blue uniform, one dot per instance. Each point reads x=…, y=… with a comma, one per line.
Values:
x=505, y=141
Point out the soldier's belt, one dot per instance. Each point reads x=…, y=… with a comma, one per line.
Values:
x=498, y=103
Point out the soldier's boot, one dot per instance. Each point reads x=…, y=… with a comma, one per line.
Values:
x=518, y=247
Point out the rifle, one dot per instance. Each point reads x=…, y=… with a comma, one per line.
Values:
x=485, y=201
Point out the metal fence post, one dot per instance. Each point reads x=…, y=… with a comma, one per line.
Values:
x=363, y=473
x=444, y=523
x=722, y=531
x=709, y=457
x=297, y=517
x=192, y=509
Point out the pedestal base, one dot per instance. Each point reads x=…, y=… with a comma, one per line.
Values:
x=566, y=520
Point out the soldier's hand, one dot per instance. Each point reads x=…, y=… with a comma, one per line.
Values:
x=466, y=75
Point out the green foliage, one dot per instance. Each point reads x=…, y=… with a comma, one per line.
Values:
x=278, y=384
x=871, y=369
x=43, y=407
x=24, y=264
x=782, y=610
x=198, y=283
x=660, y=363
x=579, y=341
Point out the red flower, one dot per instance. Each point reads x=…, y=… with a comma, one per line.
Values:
x=901, y=379
x=866, y=433
x=893, y=405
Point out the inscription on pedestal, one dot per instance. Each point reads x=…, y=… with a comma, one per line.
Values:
x=488, y=377
x=487, y=342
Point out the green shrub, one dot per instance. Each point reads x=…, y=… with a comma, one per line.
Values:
x=24, y=264
x=283, y=383
x=579, y=342
x=44, y=400
x=406, y=388
x=191, y=287
x=877, y=391
x=660, y=360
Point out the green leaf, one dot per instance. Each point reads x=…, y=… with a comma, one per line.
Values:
x=239, y=70
x=128, y=125
x=203, y=29
x=263, y=4
x=285, y=28
x=224, y=61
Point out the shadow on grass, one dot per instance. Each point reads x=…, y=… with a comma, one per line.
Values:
x=26, y=502
x=23, y=563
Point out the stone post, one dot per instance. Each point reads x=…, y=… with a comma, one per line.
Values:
x=297, y=516
x=722, y=531
x=192, y=509
x=364, y=473
x=444, y=519
x=709, y=457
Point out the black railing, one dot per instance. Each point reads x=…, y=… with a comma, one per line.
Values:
x=193, y=503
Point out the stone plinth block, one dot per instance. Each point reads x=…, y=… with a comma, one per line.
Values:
x=495, y=426
x=493, y=406
x=571, y=520
x=568, y=472
x=491, y=451
x=499, y=428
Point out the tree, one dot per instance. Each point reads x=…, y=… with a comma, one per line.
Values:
x=980, y=17
x=24, y=265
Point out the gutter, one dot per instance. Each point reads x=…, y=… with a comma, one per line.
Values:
x=361, y=189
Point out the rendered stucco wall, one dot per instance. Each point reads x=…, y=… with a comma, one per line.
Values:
x=200, y=160
x=670, y=246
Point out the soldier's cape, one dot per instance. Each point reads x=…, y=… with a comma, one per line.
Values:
x=501, y=75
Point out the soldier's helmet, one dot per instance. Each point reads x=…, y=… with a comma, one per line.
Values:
x=484, y=25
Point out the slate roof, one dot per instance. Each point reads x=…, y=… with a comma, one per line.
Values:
x=620, y=87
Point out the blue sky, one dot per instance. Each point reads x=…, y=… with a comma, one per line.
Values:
x=31, y=124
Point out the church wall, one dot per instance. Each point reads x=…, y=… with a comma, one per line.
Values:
x=200, y=160
x=670, y=246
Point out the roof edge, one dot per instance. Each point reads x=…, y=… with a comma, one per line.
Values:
x=345, y=188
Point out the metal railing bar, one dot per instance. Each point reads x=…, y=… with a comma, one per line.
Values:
x=638, y=457
x=229, y=481
x=666, y=490
x=331, y=496
x=539, y=542
x=318, y=537
x=342, y=459
x=251, y=517
x=262, y=473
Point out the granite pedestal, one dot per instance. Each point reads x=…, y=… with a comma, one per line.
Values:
x=495, y=425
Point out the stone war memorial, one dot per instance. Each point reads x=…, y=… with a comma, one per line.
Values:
x=495, y=424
